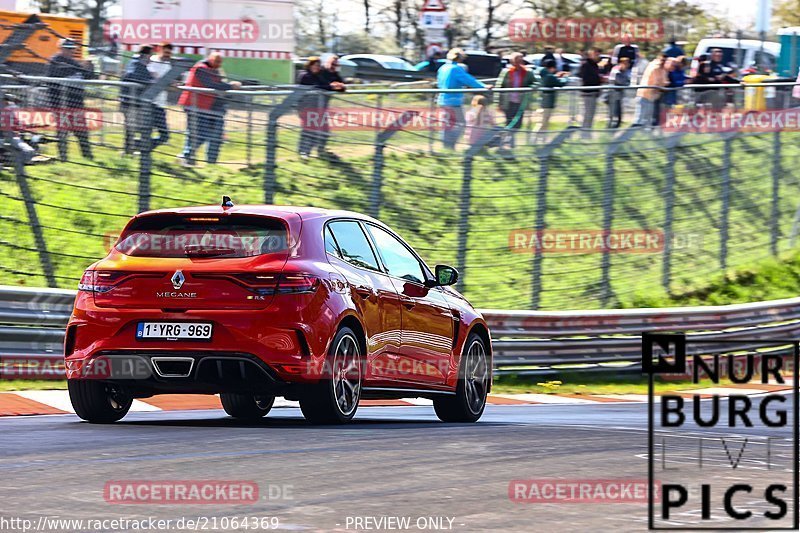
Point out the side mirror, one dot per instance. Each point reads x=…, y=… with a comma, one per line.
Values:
x=446, y=275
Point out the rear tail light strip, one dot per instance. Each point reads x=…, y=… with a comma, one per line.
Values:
x=101, y=281
x=269, y=283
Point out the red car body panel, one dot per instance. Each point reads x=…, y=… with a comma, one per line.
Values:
x=414, y=335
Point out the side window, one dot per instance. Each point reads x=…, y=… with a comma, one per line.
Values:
x=330, y=243
x=398, y=259
x=353, y=244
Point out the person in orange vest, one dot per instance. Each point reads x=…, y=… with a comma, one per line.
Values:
x=205, y=111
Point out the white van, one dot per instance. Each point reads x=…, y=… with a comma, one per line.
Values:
x=741, y=53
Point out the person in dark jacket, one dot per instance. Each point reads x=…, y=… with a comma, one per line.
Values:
x=676, y=74
x=205, y=111
x=313, y=106
x=673, y=50
x=550, y=79
x=132, y=107
x=589, y=74
x=625, y=49
x=69, y=97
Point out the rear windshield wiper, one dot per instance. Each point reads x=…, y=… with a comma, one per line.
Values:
x=197, y=250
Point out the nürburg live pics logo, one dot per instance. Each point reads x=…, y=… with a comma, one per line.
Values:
x=723, y=450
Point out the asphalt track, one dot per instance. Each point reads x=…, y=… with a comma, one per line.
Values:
x=392, y=461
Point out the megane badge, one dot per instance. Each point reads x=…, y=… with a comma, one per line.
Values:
x=177, y=279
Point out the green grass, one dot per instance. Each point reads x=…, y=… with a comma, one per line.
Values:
x=769, y=279
x=8, y=385
x=82, y=205
x=580, y=384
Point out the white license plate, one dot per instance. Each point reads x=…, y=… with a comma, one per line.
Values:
x=174, y=331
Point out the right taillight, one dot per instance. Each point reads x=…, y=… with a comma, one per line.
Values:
x=267, y=284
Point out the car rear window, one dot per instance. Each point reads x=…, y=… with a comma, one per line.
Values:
x=200, y=235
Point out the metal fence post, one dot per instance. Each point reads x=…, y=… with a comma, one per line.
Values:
x=144, y=118
x=669, y=209
x=726, y=203
x=270, y=163
x=541, y=213
x=382, y=137
x=608, y=212
x=466, y=200
x=146, y=153
x=776, y=184
x=14, y=146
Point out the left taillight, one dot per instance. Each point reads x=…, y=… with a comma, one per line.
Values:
x=100, y=281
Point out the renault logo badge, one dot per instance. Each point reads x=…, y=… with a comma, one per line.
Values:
x=177, y=279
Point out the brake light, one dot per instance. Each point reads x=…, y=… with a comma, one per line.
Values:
x=100, y=281
x=267, y=283
x=297, y=284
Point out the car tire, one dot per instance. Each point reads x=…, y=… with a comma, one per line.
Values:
x=334, y=400
x=246, y=406
x=98, y=402
x=474, y=375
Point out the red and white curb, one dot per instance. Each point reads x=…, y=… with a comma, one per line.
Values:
x=49, y=402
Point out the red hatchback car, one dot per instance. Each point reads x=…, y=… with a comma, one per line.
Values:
x=253, y=302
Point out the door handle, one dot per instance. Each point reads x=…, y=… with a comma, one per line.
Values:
x=408, y=303
x=364, y=291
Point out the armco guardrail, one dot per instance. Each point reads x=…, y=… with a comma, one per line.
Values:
x=32, y=323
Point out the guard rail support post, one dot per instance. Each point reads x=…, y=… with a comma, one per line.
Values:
x=776, y=184
x=270, y=163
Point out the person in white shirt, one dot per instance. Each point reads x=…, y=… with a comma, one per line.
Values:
x=158, y=66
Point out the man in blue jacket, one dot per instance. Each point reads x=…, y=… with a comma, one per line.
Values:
x=453, y=75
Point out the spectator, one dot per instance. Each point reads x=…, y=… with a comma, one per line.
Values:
x=673, y=50
x=313, y=131
x=589, y=74
x=620, y=76
x=480, y=120
x=132, y=107
x=205, y=112
x=550, y=79
x=453, y=75
x=720, y=73
x=549, y=53
x=703, y=97
x=332, y=81
x=69, y=95
x=676, y=76
x=433, y=61
x=625, y=49
x=514, y=104
x=159, y=65
x=561, y=64
x=655, y=76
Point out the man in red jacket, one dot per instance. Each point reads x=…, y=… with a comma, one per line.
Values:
x=205, y=111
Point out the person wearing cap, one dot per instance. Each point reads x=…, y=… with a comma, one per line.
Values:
x=132, y=107
x=69, y=95
x=453, y=75
x=205, y=111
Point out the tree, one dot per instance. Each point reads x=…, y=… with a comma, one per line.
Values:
x=787, y=13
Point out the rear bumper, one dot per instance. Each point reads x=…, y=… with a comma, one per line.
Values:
x=144, y=373
x=274, y=346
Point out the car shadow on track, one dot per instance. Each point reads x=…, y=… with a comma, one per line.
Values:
x=299, y=422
